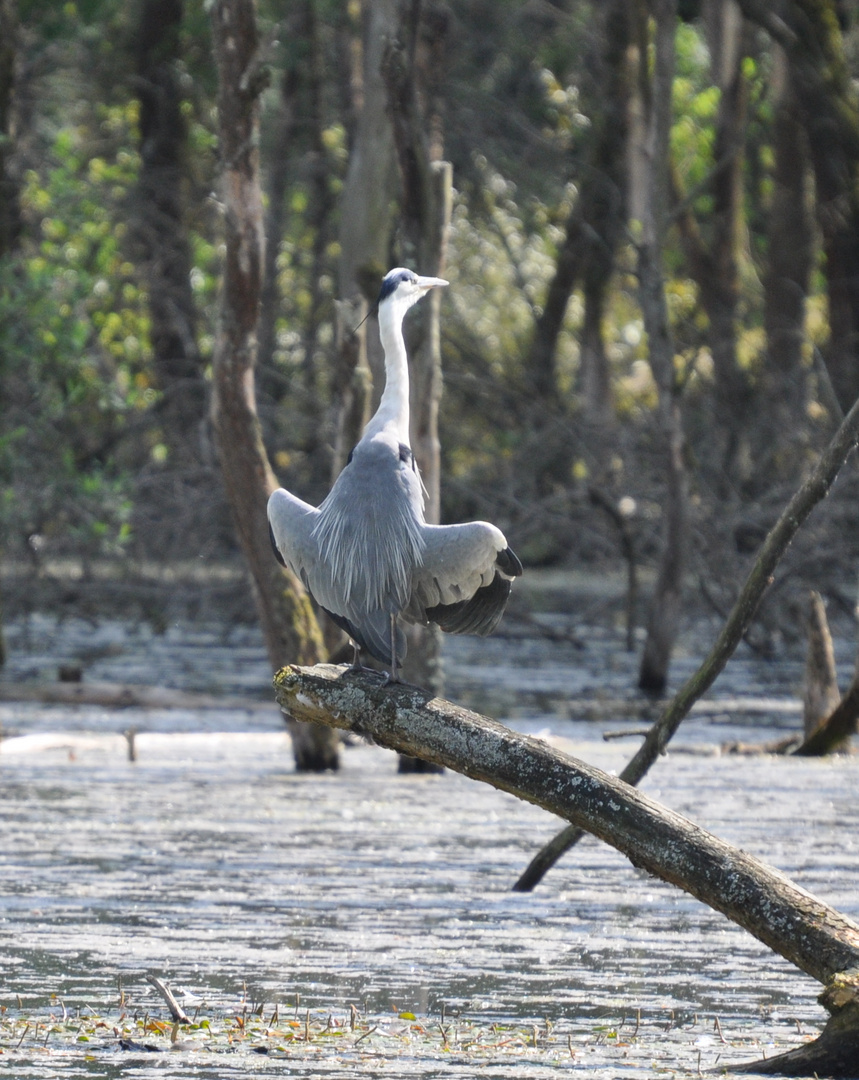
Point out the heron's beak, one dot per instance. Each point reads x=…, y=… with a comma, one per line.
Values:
x=427, y=283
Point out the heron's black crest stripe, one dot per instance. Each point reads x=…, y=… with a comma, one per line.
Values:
x=351, y=455
x=391, y=282
x=274, y=546
x=508, y=563
x=480, y=615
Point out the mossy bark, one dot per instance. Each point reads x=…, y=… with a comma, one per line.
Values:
x=289, y=626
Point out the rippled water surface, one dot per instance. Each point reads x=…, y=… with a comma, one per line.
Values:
x=210, y=863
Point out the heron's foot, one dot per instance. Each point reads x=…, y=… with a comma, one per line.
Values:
x=358, y=667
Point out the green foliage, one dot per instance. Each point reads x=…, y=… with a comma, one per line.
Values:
x=74, y=343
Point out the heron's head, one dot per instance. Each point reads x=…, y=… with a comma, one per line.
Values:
x=403, y=288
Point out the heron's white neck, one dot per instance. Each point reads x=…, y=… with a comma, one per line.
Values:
x=392, y=415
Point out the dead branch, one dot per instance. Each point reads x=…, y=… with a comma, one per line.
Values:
x=759, y=579
x=123, y=696
x=176, y=1010
x=807, y=932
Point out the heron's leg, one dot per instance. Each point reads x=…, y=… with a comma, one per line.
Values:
x=394, y=677
x=356, y=664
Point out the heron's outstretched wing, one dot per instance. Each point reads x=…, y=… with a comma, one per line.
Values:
x=465, y=579
x=290, y=523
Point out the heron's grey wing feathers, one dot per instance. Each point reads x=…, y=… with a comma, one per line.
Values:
x=464, y=582
x=291, y=522
x=328, y=565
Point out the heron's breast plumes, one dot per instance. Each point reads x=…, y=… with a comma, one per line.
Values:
x=370, y=539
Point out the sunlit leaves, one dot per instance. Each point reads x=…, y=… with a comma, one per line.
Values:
x=74, y=340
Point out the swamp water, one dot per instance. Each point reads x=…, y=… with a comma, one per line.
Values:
x=371, y=914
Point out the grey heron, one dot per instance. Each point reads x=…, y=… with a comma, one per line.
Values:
x=367, y=554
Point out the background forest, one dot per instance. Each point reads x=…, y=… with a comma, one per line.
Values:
x=652, y=242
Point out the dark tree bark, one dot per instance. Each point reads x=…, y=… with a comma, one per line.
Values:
x=10, y=210
x=810, y=33
x=366, y=223
x=10, y=213
x=816, y=938
x=278, y=181
x=820, y=692
x=711, y=246
x=790, y=257
x=289, y=626
x=593, y=230
x=664, y=614
x=161, y=229
x=425, y=210
x=836, y=728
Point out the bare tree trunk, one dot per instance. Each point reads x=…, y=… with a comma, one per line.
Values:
x=790, y=258
x=161, y=230
x=815, y=937
x=426, y=203
x=833, y=732
x=592, y=232
x=820, y=694
x=665, y=607
x=278, y=180
x=366, y=219
x=289, y=626
x=10, y=213
x=711, y=246
x=809, y=32
x=10, y=210
x=366, y=223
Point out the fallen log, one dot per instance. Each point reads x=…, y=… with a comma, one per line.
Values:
x=122, y=696
x=815, y=937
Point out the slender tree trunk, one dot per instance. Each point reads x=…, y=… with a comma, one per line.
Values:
x=790, y=258
x=366, y=218
x=810, y=33
x=366, y=223
x=289, y=626
x=820, y=692
x=10, y=210
x=711, y=245
x=593, y=230
x=10, y=214
x=828, y=100
x=425, y=209
x=161, y=230
x=294, y=28
x=664, y=616
x=723, y=293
